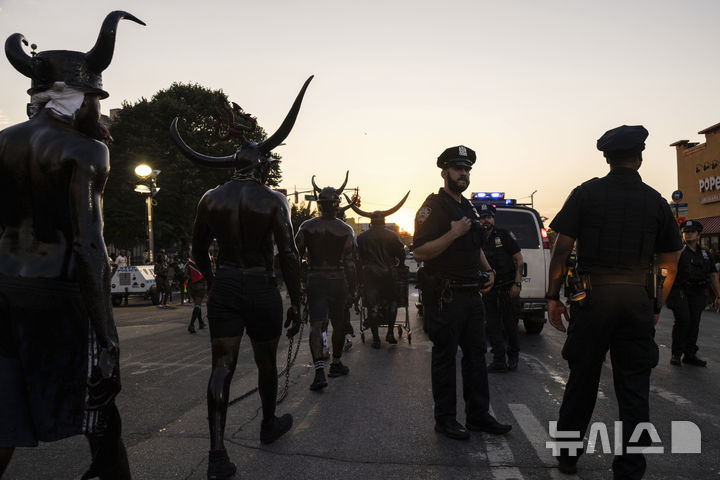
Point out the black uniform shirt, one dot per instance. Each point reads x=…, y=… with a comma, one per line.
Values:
x=499, y=248
x=694, y=269
x=618, y=221
x=461, y=260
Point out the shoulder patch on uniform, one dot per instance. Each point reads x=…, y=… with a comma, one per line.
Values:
x=423, y=214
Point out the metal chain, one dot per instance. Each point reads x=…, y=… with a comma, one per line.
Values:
x=290, y=362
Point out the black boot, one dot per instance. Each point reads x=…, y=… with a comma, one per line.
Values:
x=390, y=337
x=275, y=428
x=320, y=381
x=219, y=465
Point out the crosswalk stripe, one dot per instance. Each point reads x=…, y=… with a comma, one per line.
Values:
x=537, y=435
x=498, y=452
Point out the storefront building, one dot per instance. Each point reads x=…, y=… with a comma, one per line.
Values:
x=698, y=193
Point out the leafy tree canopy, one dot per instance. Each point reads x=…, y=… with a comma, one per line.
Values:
x=142, y=135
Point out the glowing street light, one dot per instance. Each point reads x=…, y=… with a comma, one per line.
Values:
x=148, y=187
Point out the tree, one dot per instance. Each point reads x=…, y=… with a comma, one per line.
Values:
x=300, y=213
x=142, y=135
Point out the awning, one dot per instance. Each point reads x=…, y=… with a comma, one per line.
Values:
x=710, y=224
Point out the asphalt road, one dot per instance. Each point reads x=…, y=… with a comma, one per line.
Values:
x=377, y=422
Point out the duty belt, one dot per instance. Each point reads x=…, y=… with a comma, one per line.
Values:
x=638, y=278
x=457, y=285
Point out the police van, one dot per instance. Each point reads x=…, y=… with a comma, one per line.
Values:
x=135, y=280
x=525, y=223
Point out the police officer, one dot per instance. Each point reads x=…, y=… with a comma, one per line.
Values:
x=501, y=303
x=449, y=241
x=620, y=224
x=687, y=298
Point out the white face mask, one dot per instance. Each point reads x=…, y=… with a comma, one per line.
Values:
x=61, y=99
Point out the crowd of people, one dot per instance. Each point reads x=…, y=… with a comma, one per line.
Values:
x=470, y=277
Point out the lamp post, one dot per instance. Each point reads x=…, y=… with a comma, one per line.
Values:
x=148, y=187
x=532, y=202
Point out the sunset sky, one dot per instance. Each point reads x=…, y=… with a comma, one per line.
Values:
x=529, y=85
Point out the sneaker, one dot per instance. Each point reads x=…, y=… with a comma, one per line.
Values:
x=320, y=381
x=694, y=360
x=512, y=364
x=487, y=424
x=275, y=429
x=497, y=367
x=219, y=465
x=390, y=338
x=347, y=345
x=452, y=429
x=338, y=370
x=675, y=359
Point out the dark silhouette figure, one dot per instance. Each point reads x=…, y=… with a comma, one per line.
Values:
x=59, y=354
x=244, y=216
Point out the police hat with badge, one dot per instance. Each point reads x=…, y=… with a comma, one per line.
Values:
x=485, y=210
x=623, y=141
x=691, y=226
x=459, y=156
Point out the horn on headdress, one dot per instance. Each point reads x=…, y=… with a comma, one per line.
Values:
x=387, y=213
x=350, y=204
x=316, y=189
x=277, y=138
x=204, y=160
x=17, y=56
x=342, y=187
x=100, y=56
x=356, y=209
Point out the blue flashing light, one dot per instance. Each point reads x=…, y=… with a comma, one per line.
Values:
x=488, y=195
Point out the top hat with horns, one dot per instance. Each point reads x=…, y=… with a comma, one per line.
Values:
x=329, y=195
x=378, y=216
x=77, y=69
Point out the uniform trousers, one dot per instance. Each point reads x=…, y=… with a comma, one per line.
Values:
x=501, y=316
x=687, y=306
x=459, y=322
x=617, y=318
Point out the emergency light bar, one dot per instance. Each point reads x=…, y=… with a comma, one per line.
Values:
x=488, y=195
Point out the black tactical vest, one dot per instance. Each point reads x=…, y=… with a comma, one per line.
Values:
x=620, y=224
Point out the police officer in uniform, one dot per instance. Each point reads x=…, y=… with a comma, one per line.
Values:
x=620, y=224
x=687, y=298
x=501, y=303
x=448, y=239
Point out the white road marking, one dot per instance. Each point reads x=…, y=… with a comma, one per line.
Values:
x=537, y=435
x=499, y=453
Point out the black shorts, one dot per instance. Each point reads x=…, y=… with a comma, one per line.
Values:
x=242, y=300
x=47, y=349
x=327, y=297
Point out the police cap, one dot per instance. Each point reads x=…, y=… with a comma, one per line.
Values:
x=623, y=140
x=486, y=210
x=691, y=226
x=460, y=156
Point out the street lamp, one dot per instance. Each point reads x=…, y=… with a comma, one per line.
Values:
x=148, y=187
